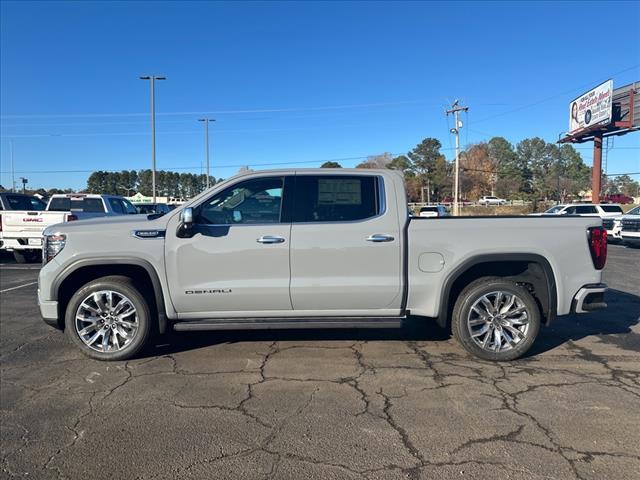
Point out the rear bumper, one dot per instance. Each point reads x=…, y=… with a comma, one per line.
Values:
x=20, y=243
x=589, y=298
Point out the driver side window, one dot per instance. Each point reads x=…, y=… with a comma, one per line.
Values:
x=253, y=201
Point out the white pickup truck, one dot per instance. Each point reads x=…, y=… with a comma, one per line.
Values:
x=312, y=249
x=22, y=221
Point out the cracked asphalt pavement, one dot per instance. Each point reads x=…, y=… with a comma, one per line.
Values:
x=324, y=404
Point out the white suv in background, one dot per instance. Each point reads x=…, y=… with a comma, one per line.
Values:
x=433, y=211
x=601, y=210
x=490, y=200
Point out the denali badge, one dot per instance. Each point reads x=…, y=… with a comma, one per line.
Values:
x=208, y=290
x=148, y=233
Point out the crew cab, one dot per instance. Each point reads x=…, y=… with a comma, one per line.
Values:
x=22, y=221
x=89, y=205
x=317, y=248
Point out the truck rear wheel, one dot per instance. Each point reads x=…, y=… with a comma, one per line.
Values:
x=27, y=256
x=108, y=319
x=496, y=319
x=19, y=257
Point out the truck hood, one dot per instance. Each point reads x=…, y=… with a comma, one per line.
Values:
x=120, y=222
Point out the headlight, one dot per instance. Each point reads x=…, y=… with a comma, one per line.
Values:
x=52, y=245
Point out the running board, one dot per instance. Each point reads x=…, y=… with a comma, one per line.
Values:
x=289, y=323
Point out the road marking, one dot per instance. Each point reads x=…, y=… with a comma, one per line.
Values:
x=19, y=286
x=19, y=268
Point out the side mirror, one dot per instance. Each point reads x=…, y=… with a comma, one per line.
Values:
x=185, y=229
x=186, y=217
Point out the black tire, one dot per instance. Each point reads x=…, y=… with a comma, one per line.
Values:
x=20, y=257
x=120, y=285
x=473, y=293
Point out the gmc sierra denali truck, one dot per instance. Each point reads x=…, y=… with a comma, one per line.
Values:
x=312, y=249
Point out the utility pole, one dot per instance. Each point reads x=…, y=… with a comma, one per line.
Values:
x=455, y=110
x=153, y=79
x=206, y=143
x=13, y=172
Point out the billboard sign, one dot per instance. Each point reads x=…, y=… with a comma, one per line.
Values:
x=592, y=108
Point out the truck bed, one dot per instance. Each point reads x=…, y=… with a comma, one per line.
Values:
x=437, y=247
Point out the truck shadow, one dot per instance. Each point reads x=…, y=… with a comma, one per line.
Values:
x=612, y=325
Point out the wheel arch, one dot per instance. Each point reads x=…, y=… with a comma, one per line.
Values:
x=81, y=272
x=531, y=269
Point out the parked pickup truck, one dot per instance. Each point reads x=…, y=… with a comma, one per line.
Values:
x=89, y=205
x=316, y=248
x=22, y=221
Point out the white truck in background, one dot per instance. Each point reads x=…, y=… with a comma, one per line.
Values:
x=22, y=220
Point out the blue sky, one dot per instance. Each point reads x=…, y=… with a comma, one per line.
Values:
x=294, y=82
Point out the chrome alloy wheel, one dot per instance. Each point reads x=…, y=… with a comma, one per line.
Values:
x=106, y=321
x=498, y=321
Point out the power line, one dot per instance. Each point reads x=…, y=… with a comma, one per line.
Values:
x=566, y=92
x=220, y=112
x=195, y=167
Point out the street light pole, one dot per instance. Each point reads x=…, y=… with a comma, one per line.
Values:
x=455, y=110
x=13, y=172
x=153, y=79
x=206, y=143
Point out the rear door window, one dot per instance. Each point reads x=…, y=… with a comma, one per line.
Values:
x=585, y=209
x=339, y=198
x=116, y=205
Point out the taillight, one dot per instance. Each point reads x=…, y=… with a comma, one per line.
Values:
x=598, y=246
x=71, y=217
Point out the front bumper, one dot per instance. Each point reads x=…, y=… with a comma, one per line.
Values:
x=49, y=312
x=589, y=298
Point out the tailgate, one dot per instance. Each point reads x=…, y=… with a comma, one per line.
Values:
x=24, y=223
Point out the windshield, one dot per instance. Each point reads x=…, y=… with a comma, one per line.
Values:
x=634, y=211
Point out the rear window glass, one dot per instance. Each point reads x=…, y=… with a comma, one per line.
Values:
x=23, y=202
x=429, y=209
x=86, y=205
x=611, y=208
x=586, y=209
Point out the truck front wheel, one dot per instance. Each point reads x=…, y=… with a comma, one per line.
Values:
x=108, y=319
x=496, y=319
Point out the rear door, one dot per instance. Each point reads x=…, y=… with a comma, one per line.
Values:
x=345, y=246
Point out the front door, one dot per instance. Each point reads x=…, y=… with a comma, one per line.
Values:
x=345, y=246
x=238, y=258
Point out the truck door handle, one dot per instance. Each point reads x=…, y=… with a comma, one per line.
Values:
x=379, y=237
x=270, y=239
